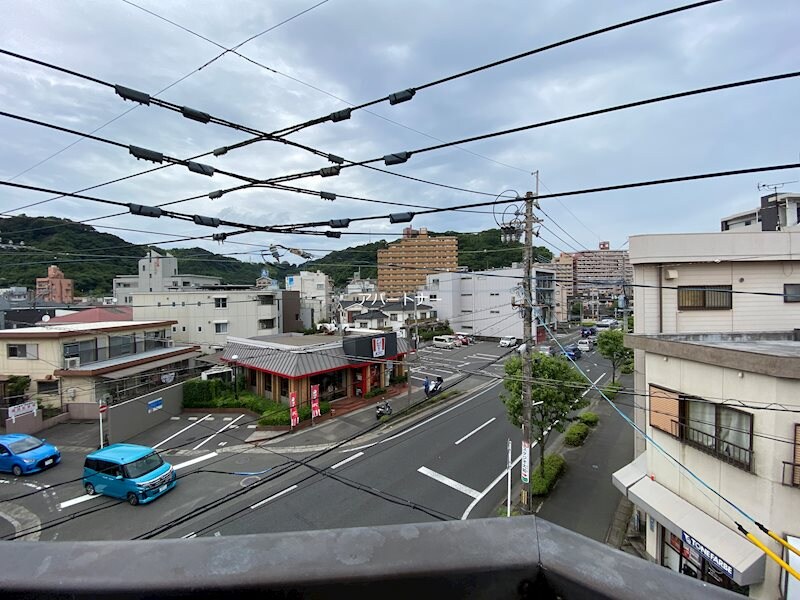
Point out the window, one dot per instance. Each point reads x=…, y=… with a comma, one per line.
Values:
x=494, y=312
x=467, y=326
x=791, y=292
x=494, y=293
x=174, y=329
x=183, y=328
x=705, y=297
x=47, y=386
x=464, y=295
x=725, y=432
x=363, y=325
x=220, y=303
x=120, y=345
x=28, y=351
x=266, y=323
x=393, y=316
x=266, y=300
x=465, y=311
x=221, y=327
x=199, y=328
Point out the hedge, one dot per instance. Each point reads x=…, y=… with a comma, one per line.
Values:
x=279, y=415
x=375, y=392
x=589, y=418
x=553, y=468
x=576, y=434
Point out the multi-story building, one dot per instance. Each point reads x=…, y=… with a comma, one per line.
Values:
x=405, y=264
x=485, y=303
x=14, y=294
x=156, y=273
x=206, y=316
x=55, y=287
x=603, y=271
x=316, y=295
x=717, y=382
x=776, y=213
x=82, y=362
x=357, y=287
x=373, y=312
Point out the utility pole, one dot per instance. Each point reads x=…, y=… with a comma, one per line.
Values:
x=527, y=335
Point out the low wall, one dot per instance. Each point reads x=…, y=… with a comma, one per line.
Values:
x=135, y=416
x=25, y=423
x=83, y=411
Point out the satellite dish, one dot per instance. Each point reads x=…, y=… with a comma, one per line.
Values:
x=45, y=318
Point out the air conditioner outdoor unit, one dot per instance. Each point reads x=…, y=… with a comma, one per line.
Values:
x=72, y=363
x=670, y=274
x=170, y=344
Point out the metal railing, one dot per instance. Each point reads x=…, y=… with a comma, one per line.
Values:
x=793, y=479
x=732, y=454
x=520, y=557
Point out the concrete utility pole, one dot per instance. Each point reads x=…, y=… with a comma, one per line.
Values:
x=527, y=335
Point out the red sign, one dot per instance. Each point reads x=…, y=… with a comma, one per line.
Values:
x=378, y=347
x=315, y=401
x=292, y=399
x=295, y=417
x=103, y=408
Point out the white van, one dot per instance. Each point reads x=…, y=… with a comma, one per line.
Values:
x=444, y=341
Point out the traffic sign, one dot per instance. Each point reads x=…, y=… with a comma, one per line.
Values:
x=103, y=408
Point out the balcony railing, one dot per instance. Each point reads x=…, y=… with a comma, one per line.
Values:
x=724, y=450
x=521, y=557
x=791, y=474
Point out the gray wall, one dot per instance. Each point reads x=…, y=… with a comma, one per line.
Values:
x=290, y=307
x=25, y=423
x=131, y=418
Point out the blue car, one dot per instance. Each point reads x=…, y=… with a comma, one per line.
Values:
x=572, y=351
x=129, y=472
x=21, y=454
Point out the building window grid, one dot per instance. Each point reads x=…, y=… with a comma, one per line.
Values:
x=706, y=297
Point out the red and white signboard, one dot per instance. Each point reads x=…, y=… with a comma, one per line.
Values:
x=378, y=347
x=526, y=461
x=21, y=409
x=315, y=401
x=295, y=417
x=104, y=407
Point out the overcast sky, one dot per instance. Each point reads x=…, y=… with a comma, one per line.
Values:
x=349, y=51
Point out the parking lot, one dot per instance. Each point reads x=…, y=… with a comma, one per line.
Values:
x=450, y=364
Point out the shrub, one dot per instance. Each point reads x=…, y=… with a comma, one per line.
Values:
x=627, y=368
x=542, y=483
x=589, y=418
x=375, y=392
x=385, y=418
x=202, y=394
x=612, y=389
x=588, y=323
x=275, y=418
x=576, y=434
x=400, y=379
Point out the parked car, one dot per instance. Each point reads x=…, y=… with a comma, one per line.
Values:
x=134, y=473
x=466, y=339
x=586, y=344
x=443, y=341
x=507, y=341
x=21, y=454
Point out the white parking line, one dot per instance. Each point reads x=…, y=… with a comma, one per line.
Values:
x=460, y=487
x=476, y=430
x=161, y=443
x=281, y=493
x=212, y=436
x=347, y=460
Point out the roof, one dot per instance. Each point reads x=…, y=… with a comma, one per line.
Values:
x=372, y=314
x=98, y=314
x=123, y=453
x=146, y=360
x=297, y=339
x=72, y=329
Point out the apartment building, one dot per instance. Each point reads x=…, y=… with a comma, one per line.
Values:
x=717, y=376
x=484, y=303
x=316, y=295
x=82, y=362
x=405, y=264
x=206, y=316
x=156, y=273
x=55, y=287
x=602, y=271
x=776, y=213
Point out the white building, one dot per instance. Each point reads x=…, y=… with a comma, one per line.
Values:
x=156, y=273
x=206, y=316
x=373, y=312
x=712, y=343
x=776, y=213
x=357, y=287
x=316, y=295
x=482, y=303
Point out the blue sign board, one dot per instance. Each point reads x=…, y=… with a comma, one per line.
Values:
x=715, y=560
x=154, y=405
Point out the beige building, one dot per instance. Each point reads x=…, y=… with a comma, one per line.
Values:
x=316, y=295
x=55, y=287
x=81, y=362
x=717, y=376
x=156, y=273
x=405, y=264
x=601, y=270
x=207, y=316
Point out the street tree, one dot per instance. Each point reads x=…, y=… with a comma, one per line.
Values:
x=555, y=391
x=611, y=345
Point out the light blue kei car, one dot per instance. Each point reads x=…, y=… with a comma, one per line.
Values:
x=21, y=454
x=134, y=473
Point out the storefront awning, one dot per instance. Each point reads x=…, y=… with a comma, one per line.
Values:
x=155, y=364
x=711, y=538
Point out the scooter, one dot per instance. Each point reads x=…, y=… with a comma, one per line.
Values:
x=382, y=409
x=436, y=388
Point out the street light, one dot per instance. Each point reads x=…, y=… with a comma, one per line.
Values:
x=234, y=358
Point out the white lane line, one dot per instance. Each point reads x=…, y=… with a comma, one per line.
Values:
x=183, y=465
x=488, y=488
x=227, y=418
x=189, y=535
x=460, y=487
x=174, y=418
x=347, y=460
x=252, y=426
x=476, y=430
x=174, y=435
x=593, y=383
x=281, y=493
x=212, y=436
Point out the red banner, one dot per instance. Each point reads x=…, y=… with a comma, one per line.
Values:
x=292, y=399
x=315, y=401
x=293, y=409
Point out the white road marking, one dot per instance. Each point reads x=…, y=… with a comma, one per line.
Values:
x=252, y=426
x=347, y=460
x=281, y=493
x=484, y=356
x=77, y=500
x=476, y=430
x=222, y=443
x=194, y=461
x=161, y=443
x=189, y=535
x=593, y=383
x=212, y=436
x=174, y=418
x=460, y=487
x=488, y=488
x=227, y=418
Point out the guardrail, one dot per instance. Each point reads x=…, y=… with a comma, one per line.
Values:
x=521, y=557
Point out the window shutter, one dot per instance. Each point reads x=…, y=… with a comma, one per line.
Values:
x=664, y=410
x=796, y=467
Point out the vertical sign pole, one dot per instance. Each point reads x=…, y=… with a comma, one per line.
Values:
x=508, y=464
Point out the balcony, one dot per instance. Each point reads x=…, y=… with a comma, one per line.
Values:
x=724, y=450
x=521, y=557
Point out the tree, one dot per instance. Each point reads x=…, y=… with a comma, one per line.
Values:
x=556, y=389
x=611, y=345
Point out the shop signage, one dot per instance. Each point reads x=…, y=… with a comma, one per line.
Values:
x=295, y=418
x=21, y=409
x=715, y=560
x=154, y=405
x=526, y=461
x=378, y=347
x=315, y=401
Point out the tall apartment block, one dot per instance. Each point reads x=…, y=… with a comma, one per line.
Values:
x=405, y=264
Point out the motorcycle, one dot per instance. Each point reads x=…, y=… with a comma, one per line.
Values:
x=382, y=409
x=436, y=388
